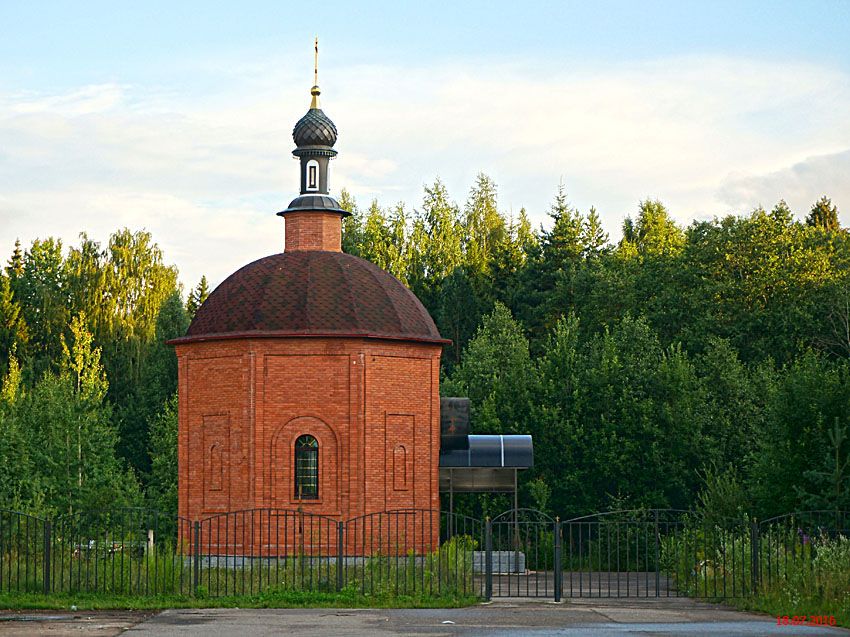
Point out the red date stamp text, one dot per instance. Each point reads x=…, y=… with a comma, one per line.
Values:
x=805, y=620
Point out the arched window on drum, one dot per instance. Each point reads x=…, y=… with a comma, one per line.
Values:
x=306, y=468
x=312, y=175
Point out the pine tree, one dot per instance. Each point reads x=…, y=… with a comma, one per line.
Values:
x=443, y=250
x=563, y=244
x=484, y=227
x=197, y=297
x=15, y=268
x=824, y=215
x=509, y=257
x=594, y=236
x=552, y=265
x=782, y=214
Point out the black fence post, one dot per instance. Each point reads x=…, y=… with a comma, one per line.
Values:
x=339, y=558
x=196, y=566
x=558, y=565
x=488, y=559
x=47, y=560
x=754, y=555
x=657, y=560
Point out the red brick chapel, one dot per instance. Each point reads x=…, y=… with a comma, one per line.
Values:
x=309, y=379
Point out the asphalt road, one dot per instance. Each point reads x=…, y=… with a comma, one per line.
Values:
x=573, y=617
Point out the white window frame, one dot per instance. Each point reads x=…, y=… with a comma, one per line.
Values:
x=315, y=165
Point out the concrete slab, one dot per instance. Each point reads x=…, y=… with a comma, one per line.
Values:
x=587, y=617
x=34, y=623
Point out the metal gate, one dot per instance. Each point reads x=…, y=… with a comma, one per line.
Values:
x=627, y=554
x=521, y=554
x=657, y=553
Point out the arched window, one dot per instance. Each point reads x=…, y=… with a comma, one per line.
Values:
x=312, y=175
x=306, y=468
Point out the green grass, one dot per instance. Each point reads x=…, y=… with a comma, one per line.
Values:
x=817, y=582
x=807, y=606
x=287, y=599
x=811, y=579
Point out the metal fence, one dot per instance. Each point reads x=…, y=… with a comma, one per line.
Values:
x=788, y=544
x=140, y=552
x=411, y=552
x=655, y=553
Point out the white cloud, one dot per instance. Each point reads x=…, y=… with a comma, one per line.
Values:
x=86, y=100
x=205, y=173
x=800, y=185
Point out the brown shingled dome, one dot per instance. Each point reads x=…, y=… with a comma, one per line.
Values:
x=312, y=293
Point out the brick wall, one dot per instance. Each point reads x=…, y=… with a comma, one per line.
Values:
x=313, y=231
x=373, y=405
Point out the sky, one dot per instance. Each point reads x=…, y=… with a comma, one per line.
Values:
x=176, y=117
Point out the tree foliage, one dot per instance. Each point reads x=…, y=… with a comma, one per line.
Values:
x=197, y=297
x=701, y=366
x=162, y=486
x=62, y=436
x=644, y=369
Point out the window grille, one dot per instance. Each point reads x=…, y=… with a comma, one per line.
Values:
x=306, y=468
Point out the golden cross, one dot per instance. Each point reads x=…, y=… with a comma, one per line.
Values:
x=316, y=63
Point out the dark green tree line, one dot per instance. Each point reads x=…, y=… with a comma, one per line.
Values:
x=706, y=363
